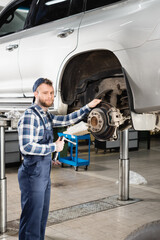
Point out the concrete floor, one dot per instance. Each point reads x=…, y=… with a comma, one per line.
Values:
x=71, y=188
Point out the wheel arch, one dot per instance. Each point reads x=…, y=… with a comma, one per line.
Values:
x=85, y=71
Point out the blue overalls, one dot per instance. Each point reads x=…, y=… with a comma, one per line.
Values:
x=35, y=185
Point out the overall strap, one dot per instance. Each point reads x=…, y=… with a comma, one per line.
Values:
x=39, y=115
x=49, y=116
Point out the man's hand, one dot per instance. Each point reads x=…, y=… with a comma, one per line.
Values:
x=56, y=162
x=94, y=103
x=59, y=145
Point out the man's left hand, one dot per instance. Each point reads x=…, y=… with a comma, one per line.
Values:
x=94, y=103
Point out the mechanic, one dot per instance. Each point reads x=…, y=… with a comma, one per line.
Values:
x=36, y=145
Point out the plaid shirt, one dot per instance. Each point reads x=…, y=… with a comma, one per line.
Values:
x=31, y=129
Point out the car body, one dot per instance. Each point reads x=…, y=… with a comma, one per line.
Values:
x=104, y=49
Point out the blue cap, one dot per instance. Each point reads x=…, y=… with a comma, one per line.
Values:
x=38, y=82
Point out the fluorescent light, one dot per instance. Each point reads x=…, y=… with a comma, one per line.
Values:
x=54, y=2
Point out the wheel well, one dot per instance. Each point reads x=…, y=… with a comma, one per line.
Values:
x=94, y=74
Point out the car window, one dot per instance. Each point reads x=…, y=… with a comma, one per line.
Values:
x=51, y=10
x=91, y=4
x=44, y=11
x=14, y=19
x=76, y=7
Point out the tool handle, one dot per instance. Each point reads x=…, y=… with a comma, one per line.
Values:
x=55, y=154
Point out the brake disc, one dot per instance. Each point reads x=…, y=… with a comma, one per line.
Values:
x=99, y=123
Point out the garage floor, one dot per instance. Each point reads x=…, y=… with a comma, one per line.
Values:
x=84, y=204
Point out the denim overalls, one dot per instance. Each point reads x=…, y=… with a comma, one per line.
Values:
x=35, y=185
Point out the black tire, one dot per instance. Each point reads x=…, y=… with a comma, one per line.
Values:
x=86, y=168
x=76, y=168
x=149, y=231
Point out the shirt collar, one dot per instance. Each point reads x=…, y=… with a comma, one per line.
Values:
x=39, y=108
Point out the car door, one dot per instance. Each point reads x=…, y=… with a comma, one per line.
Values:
x=10, y=80
x=49, y=38
x=12, y=21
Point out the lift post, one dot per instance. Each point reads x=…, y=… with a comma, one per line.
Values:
x=124, y=165
x=3, y=181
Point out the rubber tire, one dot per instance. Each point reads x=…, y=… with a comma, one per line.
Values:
x=86, y=168
x=76, y=169
x=149, y=231
x=96, y=150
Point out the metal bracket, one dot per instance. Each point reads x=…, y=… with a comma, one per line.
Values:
x=4, y=122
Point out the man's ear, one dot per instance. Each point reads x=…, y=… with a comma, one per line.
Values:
x=36, y=94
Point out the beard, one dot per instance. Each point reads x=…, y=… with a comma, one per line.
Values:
x=45, y=104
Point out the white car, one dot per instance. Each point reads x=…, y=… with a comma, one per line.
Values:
x=106, y=49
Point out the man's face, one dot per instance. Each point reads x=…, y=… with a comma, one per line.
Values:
x=44, y=95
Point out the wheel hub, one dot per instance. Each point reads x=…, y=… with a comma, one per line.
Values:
x=98, y=121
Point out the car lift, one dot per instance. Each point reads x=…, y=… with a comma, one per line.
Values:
x=124, y=165
x=4, y=122
x=123, y=172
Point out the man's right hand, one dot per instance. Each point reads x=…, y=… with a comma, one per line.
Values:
x=59, y=145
